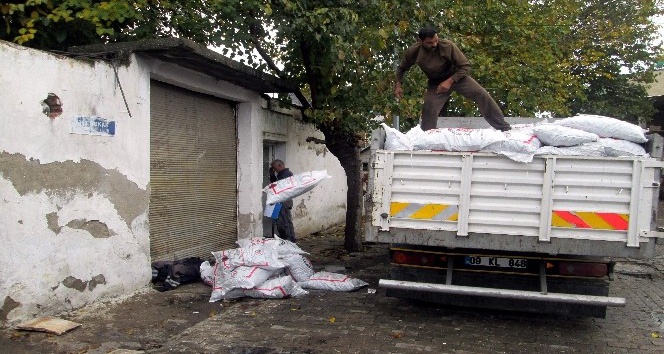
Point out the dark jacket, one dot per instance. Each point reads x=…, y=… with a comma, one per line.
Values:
x=439, y=64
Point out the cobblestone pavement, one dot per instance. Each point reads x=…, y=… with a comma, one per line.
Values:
x=362, y=322
x=183, y=321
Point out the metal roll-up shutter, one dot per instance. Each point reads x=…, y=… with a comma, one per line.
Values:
x=193, y=173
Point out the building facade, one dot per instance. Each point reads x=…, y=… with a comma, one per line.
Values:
x=121, y=155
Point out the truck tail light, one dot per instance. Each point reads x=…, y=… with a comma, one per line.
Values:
x=418, y=258
x=583, y=269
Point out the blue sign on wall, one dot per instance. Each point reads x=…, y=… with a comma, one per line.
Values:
x=92, y=126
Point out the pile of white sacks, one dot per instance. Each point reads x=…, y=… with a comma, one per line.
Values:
x=268, y=268
x=581, y=135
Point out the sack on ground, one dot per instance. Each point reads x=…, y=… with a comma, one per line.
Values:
x=240, y=277
x=222, y=294
x=396, y=140
x=279, y=245
x=207, y=273
x=605, y=127
x=262, y=256
x=333, y=281
x=277, y=288
x=291, y=187
x=558, y=135
x=456, y=139
x=298, y=267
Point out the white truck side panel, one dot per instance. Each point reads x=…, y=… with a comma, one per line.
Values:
x=551, y=198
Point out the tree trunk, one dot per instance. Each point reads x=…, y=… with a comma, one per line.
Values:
x=345, y=148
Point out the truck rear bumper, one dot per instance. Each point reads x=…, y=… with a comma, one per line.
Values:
x=503, y=293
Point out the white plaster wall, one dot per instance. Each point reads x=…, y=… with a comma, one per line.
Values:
x=85, y=89
x=325, y=205
x=34, y=259
x=250, y=170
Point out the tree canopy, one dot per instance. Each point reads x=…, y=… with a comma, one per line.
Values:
x=556, y=56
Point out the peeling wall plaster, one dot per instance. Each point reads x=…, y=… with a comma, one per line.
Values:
x=61, y=179
x=69, y=244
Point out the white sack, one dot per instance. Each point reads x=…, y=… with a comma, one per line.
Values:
x=298, y=267
x=291, y=187
x=395, y=140
x=604, y=147
x=207, y=273
x=277, y=288
x=332, y=281
x=262, y=256
x=240, y=277
x=456, y=139
x=618, y=147
x=226, y=280
x=221, y=294
x=414, y=133
x=605, y=127
x=558, y=135
x=279, y=245
x=587, y=149
x=520, y=145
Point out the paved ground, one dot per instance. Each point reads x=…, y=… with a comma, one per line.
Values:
x=183, y=321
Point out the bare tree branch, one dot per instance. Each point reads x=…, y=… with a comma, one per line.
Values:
x=255, y=36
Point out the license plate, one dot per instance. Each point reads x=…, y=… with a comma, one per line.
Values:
x=499, y=262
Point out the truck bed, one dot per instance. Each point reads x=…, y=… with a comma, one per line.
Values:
x=570, y=205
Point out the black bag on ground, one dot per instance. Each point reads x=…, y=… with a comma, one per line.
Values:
x=168, y=275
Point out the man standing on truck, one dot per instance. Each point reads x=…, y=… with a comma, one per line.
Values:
x=284, y=221
x=448, y=70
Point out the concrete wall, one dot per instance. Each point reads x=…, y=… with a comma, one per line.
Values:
x=74, y=223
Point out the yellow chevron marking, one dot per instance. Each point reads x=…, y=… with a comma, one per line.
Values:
x=594, y=221
x=557, y=221
x=428, y=211
x=396, y=207
x=454, y=217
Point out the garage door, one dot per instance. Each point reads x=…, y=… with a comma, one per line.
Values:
x=193, y=173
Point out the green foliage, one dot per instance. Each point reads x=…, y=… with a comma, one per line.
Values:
x=59, y=24
x=559, y=56
x=612, y=51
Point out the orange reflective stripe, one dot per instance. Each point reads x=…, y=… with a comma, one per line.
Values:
x=572, y=219
x=589, y=220
x=617, y=221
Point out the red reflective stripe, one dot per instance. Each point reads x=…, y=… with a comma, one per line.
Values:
x=573, y=219
x=615, y=220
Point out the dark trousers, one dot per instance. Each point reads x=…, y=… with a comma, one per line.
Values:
x=470, y=89
x=285, y=225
